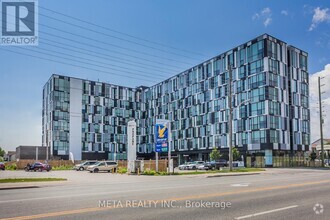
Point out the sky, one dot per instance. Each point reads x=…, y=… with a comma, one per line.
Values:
x=141, y=42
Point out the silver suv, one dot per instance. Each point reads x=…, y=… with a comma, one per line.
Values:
x=194, y=165
x=84, y=165
x=103, y=166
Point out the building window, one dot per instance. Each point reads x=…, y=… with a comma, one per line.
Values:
x=258, y=137
x=257, y=108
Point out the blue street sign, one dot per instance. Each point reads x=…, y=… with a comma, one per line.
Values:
x=161, y=136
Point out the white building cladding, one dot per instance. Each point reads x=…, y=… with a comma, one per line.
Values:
x=271, y=109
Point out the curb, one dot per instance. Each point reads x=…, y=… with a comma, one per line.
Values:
x=232, y=174
x=18, y=187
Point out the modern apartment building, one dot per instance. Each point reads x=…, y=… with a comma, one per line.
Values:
x=270, y=107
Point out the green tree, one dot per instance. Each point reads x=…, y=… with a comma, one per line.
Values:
x=2, y=152
x=215, y=154
x=236, y=154
x=312, y=156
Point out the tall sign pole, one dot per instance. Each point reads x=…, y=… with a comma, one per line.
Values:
x=161, y=138
x=131, y=146
x=229, y=143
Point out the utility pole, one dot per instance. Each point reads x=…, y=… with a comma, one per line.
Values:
x=321, y=120
x=116, y=150
x=169, y=139
x=229, y=143
x=47, y=149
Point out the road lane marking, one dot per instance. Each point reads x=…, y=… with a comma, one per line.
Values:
x=96, y=209
x=240, y=184
x=266, y=212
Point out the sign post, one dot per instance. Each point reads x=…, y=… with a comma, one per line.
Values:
x=131, y=146
x=162, y=134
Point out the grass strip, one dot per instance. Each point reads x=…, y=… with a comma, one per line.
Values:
x=24, y=180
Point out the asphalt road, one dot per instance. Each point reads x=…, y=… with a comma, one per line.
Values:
x=275, y=194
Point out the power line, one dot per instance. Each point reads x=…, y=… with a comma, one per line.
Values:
x=102, y=48
x=101, y=42
x=119, y=32
x=80, y=61
x=70, y=55
x=119, y=38
x=70, y=64
x=105, y=56
x=108, y=44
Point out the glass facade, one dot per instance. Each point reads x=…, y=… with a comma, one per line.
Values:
x=270, y=105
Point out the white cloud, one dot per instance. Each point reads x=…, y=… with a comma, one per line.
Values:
x=313, y=97
x=265, y=14
x=285, y=12
x=319, y=16
x=267, y=22
x=266, y=11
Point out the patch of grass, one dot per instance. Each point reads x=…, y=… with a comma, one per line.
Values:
x=238, y=170
x=23, y=180
x=63, y=167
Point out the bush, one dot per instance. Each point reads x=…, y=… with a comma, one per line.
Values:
x=11, y=167
x=149, y=172
x=63, y=167
x=154, y=173
x=312, y=156
x=122, y=170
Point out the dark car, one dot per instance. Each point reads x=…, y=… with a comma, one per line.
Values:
x=216, y=165
x=37, y=166
x=2, y=166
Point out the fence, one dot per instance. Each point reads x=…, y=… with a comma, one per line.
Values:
x=282, y=161
x=148, y=164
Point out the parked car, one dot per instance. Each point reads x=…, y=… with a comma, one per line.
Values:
x=205, y=166
x=84, y=165
x=327, y=162
x=216, y=165
x=2, y=166
x=194, y=165
x=184, y=166
x=37, y=166
x=223, y=163
x=103, y=166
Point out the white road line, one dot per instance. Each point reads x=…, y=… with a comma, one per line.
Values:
x=266, y=212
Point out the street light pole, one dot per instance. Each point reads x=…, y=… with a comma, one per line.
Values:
x=116, y=149
x=321, y=122
x=229, y=143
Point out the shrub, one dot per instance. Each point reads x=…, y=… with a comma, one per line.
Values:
x=149, y=172
x=122, y=170
x=312, y=156
x=63, y=167
x=11, y=167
